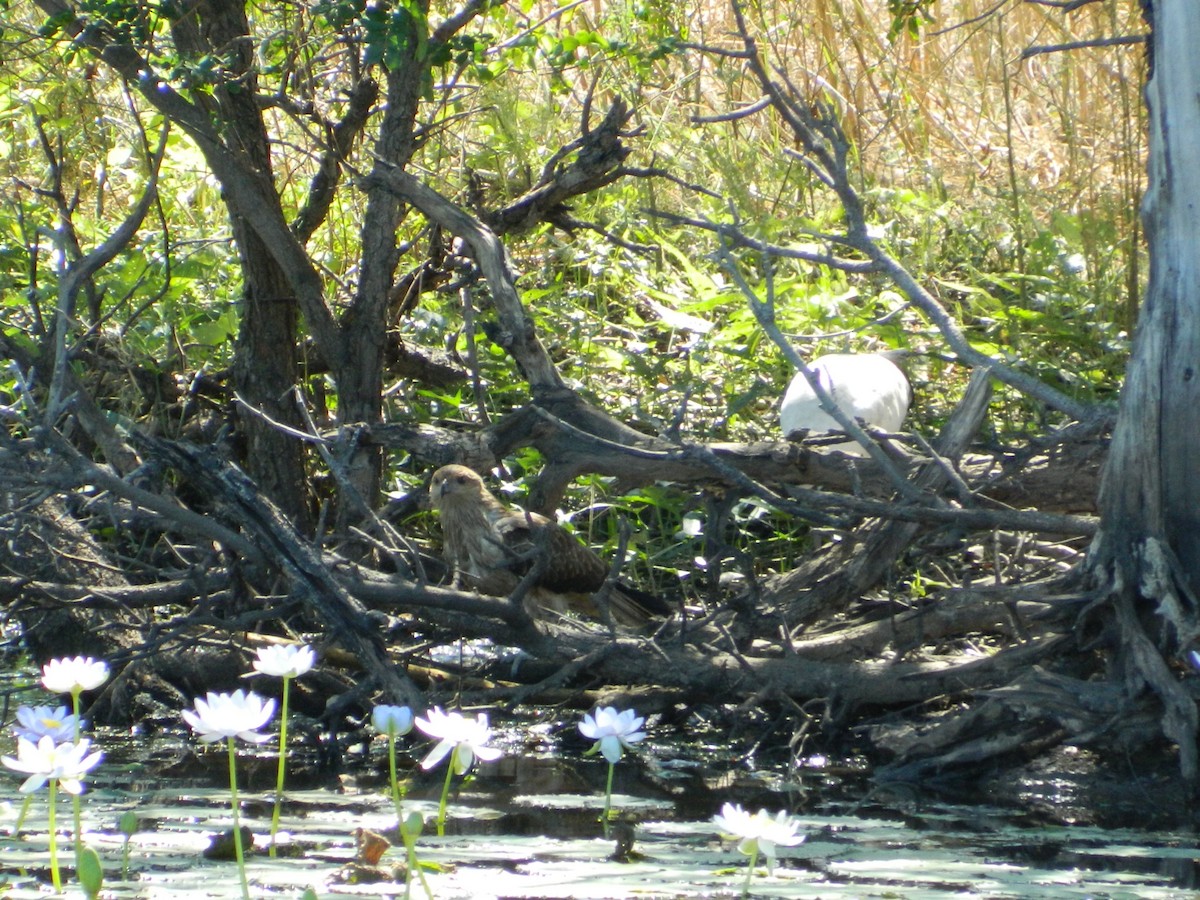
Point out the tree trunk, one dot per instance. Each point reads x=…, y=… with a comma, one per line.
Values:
x=1147, y=551
x=265, y=364
x=1151, y=485
x=363, y=328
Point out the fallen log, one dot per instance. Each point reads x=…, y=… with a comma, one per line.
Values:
x=235, y=495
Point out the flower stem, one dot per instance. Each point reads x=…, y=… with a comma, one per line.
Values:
x=237, y=825
x=78, y=829
x=441, y=819
x=414, y=865
x=750, y=871
x=75, y=813
x=396, y=795
x=410, y=841
x=53, y=798
x=23, y=813
x=608, y=799
x=75, y=710
x=283, y=723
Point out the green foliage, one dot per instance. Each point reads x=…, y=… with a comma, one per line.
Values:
x=908, y=17
x=394, y=36
x=660, y=338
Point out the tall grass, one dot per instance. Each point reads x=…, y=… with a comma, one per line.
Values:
x=1008, y=178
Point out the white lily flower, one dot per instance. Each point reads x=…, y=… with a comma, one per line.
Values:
x=36, y=722
x=66, y=762
x=465, y=738
x=758, y=831
x=285, y=660
x=394, y=720
x=74, y=674
x=239, y=714
x=612, y=731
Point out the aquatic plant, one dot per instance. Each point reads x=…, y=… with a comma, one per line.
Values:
x=128, y=826
x=73, y=675
x=613, y=732
x=395, y=721
x=90, y=872
x=35, y=722
x=757, y=832
x=286, y=661
x=49, y=763
x=226, y=717
x=461, y=739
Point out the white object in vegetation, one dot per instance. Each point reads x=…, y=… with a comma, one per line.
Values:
x=866, y=386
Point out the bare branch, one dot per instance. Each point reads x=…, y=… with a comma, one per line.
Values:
x=599, y=153
x=242, y=187
x=82, y=471
x=735, y=237
x=1064, y=5
x=80, y=272
x=517, y=334
x=827, y=151
x=1121, y=41
x=341, y=137
x=741, y=112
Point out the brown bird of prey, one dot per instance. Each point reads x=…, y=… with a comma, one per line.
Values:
x=492, y=547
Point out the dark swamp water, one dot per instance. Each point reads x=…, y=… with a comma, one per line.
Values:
x=526, y=827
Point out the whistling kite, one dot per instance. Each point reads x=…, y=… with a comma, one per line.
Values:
x=491, y=547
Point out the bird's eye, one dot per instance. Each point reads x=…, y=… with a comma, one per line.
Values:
x=462, y=479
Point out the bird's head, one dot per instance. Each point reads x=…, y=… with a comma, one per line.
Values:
x=455, y=484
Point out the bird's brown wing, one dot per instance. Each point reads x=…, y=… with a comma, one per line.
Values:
x=569, y=566
x=571, y=572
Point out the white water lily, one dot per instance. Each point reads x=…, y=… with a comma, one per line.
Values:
x=394, y=720
x=239, y=714
x=759, y=831
x=65, y=762
x=36, y=722
x=225, y=717
x=49, y=762
x=612, y=731
x=285, y=660
x=464, y=738
x=72, y=675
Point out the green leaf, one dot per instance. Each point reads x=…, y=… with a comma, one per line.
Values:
x=414, y=824
x=91, y=873
x=128, y=823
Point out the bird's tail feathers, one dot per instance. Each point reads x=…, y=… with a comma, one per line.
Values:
x=650, y=606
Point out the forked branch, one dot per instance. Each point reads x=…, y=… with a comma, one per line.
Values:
x=826, y=152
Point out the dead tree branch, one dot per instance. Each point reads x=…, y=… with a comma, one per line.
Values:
x=276, y=539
